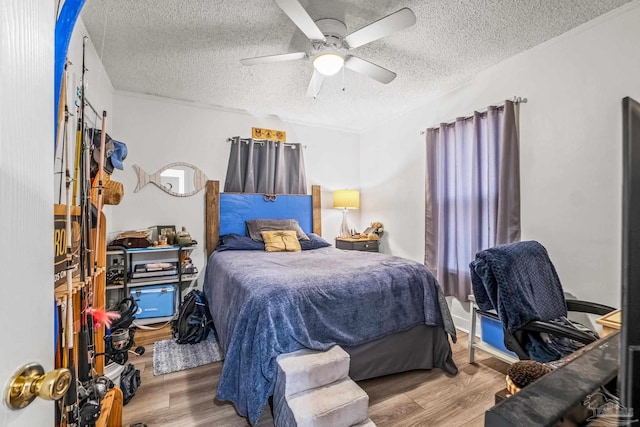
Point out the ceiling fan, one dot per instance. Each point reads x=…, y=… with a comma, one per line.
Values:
x=330, y=44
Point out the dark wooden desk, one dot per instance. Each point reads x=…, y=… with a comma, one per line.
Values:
x=502, y=395
x=558, y=396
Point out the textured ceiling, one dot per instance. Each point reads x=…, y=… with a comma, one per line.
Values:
x=191, y=50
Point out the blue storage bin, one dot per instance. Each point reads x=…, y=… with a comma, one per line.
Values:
x=154, y=301
x=493, y=334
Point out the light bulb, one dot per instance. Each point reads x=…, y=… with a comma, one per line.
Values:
x=328, y=63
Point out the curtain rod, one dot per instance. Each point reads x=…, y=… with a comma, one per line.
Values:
x=262, y=141
x=515, y=100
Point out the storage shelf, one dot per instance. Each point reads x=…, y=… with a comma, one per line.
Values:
x=135, y=260
x=144, y=282
x=153, y=320
x=160, y=249
x=495, y=352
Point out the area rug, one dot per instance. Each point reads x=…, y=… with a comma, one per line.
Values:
x=169, y=356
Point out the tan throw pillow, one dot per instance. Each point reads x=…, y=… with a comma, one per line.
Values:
x=281, y=241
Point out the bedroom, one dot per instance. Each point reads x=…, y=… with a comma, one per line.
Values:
x=570, y=151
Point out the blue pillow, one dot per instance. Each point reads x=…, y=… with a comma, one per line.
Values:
x=237, y=242
x=314, y=242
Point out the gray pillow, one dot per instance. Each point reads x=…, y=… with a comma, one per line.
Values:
x=256, y=226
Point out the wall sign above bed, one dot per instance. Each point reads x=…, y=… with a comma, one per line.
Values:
x=269, y=134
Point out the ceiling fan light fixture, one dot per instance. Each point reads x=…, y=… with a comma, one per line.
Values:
x=328, y=64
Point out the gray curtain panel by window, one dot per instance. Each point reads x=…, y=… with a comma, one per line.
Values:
x=472, y=192
x=265, y=167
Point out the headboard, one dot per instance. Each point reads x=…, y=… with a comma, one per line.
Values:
x=227, y=212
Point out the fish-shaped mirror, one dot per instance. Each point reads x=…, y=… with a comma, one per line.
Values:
x=179, y=179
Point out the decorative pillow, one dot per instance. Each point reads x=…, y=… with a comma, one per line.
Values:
x=314, y=242
x=256, y=226
x=237, y=242
x=281, y=241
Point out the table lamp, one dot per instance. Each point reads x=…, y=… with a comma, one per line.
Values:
x=345, y=200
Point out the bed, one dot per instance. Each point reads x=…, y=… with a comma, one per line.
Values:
x=388, y=313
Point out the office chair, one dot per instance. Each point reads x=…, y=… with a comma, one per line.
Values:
x=520, y=283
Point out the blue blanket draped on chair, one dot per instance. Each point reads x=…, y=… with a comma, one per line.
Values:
x=519, y=281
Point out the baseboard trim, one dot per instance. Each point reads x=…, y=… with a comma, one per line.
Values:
x=464, y=325
x=461, y=323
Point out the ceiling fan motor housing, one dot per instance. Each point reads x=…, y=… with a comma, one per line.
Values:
x=334, y=32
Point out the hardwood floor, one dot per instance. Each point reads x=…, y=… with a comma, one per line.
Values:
x=416, y=398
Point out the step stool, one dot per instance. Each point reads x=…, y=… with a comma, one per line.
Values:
x=313, y=389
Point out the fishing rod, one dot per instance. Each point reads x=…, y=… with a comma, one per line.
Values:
x=89, y=407
x=63, y=118
x=99, y=198
x=103, y=140
x=71, y=398
x=76, y=171
x=61, y=157
x=80, y=125
x=96, y=243
x=85, y=240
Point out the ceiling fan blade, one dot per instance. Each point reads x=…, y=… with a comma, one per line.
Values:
x=301, y=18
x=315, y=84
x=398, y=20
x=369, y=69
x=273, y=58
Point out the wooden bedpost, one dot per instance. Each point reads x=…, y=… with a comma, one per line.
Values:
x=316, y=205
x=212, y=215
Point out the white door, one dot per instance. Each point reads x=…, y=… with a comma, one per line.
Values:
x=26, y=197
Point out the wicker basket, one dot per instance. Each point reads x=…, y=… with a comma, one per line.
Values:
x=511, y=387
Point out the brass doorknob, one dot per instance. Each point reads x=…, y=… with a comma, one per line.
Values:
x=31, y=381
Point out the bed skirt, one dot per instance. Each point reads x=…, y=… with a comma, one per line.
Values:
x=421, y=347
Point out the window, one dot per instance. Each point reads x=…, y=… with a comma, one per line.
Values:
x=472, y=193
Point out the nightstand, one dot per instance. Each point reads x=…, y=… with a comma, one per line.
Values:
x=357, y=244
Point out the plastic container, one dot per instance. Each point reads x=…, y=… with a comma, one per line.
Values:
x=113, y=372
x=154, y=301
x=493, y=334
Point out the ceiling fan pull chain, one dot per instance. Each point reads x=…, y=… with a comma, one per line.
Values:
x=343, y=85
x=315, y=86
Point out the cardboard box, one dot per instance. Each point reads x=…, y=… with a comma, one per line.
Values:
x=154, y=301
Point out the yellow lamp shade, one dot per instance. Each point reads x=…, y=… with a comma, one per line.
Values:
x=346, y=199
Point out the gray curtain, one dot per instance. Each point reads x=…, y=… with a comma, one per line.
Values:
x=472, y=192
x=265, y=167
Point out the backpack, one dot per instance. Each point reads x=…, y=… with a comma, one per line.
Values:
x=129, y=382
x=194, y=320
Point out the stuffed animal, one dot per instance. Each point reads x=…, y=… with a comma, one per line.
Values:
x=377, y=228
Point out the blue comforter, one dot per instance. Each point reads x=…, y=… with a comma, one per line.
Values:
x=265, y=304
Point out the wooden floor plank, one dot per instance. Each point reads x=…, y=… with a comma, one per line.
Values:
x=416, y=398
x=388, y=411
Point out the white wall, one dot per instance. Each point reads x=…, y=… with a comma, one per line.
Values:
x=571, y=152
x=159, y=131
